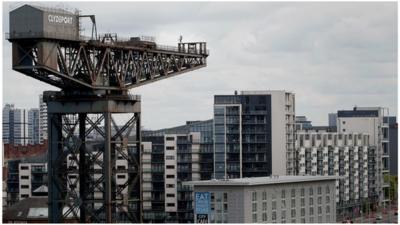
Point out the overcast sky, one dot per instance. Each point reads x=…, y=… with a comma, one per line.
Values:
x=331, y=55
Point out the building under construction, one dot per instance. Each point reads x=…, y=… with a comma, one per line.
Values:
x=93, y=180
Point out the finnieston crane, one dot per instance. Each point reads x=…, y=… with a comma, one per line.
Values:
x=94, y=75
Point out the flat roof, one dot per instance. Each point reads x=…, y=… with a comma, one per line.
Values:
x=261, y=180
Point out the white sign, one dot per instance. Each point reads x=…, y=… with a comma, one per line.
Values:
x=59, y=19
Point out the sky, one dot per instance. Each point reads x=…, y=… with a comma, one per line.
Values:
x=333, y=56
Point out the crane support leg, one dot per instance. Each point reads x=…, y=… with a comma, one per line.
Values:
x=94, y=158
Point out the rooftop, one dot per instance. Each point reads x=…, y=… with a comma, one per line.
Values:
x=261, y=180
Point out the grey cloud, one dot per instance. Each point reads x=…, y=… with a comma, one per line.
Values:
x=332, y=55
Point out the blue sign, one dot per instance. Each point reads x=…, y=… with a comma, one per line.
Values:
x=202, y=202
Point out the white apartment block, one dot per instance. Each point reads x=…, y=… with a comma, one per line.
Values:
x=31, y=177
x=167, y=160
x=370, y=120
x=42, y=119
x=340, y=154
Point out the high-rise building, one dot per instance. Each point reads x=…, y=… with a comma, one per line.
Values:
x=393, y=148
x=33, y=126
x=42, y=119
x=254, y=134
x=347, y=155
x=170, y=157
x=15, y=126
x=370, y=120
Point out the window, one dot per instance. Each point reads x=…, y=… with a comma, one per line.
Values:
x=302, y=202
x=24, y=186
x=319, y=219
x=303, y=220
x=254, y=218
x=319, y=200
x=319, y=190
x=170, y=176
x=170, y=185
x=311, y=201
x=170, y=147
x=311, y=211
x=24, y=177
x=254, y=207
x=303, y=211
x=24, y=167
x=264, y=195
x=319, y=210
x=302, y=192
x=170, y=138
x=283, y=215
x=170, y=195
x=293, y=193
x=293, y=203
x=283, y=203
x=283, y=194
x=328, y=199
x=311, y=191
x=121, y=176
x=293, y=213
x=274, y=216
x=293, y=220
x=120, y=167
x=273, y=205
x=264, y=206
x=328, y=209
x=170, y=204
x=254, y=196
x=225, y=197
x=328, y=190
x=264, y=217
x=170, y=167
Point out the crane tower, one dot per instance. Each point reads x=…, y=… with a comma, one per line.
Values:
x=93, y=162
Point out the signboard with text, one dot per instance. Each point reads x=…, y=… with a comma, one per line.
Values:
x=202, y=206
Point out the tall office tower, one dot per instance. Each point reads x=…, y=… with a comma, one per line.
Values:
x=347, y=155
x=42, y=119
x=33, y=126
x=302, y=123
x=254, y=134
x=15, y=126
x=170, y=157
x=369, y=120
x=332, y=117
x=393, y=136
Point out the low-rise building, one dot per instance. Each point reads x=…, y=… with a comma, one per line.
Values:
x=274, y=199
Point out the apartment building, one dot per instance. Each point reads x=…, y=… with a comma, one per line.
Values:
x=348, y=155
x=370, y=120
x=170, y=157
x=254, y=134
x=274, y=199
x=42, y=119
